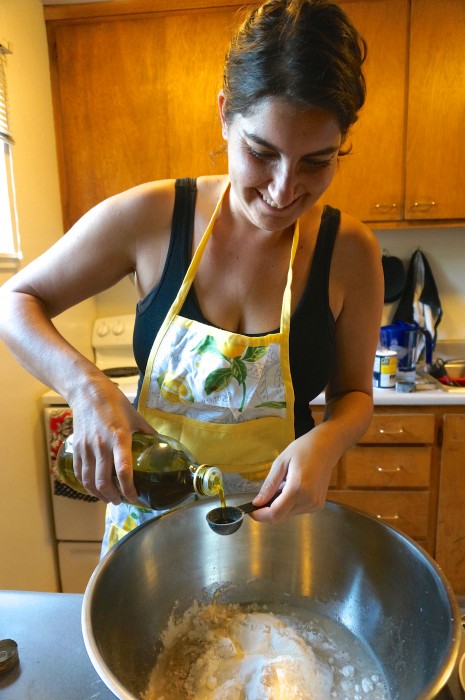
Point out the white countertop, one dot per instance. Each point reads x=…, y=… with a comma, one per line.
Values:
x=420, y=397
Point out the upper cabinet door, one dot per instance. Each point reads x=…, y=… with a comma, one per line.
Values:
x=369, y=183
x=435, y=166
x=135, y=100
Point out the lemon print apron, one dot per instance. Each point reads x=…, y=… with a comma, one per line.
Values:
x=227, y=397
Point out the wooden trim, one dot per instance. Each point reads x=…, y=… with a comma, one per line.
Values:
x=89, y=10
x=450, y=541
x=119, y=8
x=58, y=124
x=411, y=224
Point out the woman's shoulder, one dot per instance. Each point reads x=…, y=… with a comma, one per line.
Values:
x=210, y=187
x=160, y=194
x=141, y=199
x=352, y=233
x=356, y=242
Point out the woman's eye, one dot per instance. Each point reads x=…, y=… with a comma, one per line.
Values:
x=318, y=164
x=262, y=155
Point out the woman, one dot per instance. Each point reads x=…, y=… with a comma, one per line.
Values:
x=269, y=312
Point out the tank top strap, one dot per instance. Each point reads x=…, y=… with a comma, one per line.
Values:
x=182, y=228
x=319, y=274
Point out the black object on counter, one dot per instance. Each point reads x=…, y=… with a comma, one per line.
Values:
x=9, y=657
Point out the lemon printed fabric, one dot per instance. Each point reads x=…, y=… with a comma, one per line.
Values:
x=215, y=376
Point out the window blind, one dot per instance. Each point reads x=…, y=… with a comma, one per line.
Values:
x=10, y=251
x=4, y=128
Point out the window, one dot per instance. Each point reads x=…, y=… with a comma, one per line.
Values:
x=9, y=235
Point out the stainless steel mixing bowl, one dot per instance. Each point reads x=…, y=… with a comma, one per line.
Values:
x=339, y=562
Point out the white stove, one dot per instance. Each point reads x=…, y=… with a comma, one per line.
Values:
x=112, y=344
x=79, y=520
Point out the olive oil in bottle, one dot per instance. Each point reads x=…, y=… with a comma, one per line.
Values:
x=165, y=473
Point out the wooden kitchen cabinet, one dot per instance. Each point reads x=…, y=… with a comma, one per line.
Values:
x=450, y=541
x=134, y=85
x=389, y=474
x=135, y=100
x=408, y=160
x=370, y=180
x=408, y=470
x=435, y=156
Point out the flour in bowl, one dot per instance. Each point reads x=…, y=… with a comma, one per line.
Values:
x=232, y=652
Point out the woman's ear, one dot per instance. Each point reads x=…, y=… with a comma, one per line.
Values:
x=222, y=107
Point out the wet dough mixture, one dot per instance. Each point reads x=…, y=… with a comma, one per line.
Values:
x=222, y=653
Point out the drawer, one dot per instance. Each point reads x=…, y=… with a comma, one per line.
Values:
x=388, y=467
x=405, y=510
x=388, y=428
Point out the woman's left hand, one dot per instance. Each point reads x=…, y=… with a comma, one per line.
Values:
x=302, y=472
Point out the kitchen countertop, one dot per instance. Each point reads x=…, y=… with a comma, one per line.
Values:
x=420, y=397
x=53, y=661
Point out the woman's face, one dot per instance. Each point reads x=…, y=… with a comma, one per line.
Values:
x=282, y=158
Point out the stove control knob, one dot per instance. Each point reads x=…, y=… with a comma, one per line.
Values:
x=102, y=330
x=117, y=328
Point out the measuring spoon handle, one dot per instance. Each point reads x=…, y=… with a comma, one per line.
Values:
x=249, y=507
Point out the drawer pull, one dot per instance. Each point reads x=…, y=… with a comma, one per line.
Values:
x=384, y=470
x=385, y=206
x=390, y=518
x=383, y=431
x=423, y=206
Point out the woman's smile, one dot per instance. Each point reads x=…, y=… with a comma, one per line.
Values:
x=274, y=204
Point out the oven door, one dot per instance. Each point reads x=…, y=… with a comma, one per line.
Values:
x=76, y=518
x=79, y=521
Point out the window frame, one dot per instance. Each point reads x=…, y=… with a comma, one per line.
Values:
x=10, y=249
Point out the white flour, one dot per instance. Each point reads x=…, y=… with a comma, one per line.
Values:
x=227, y=652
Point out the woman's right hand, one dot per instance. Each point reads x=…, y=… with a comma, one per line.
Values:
x=103, y=423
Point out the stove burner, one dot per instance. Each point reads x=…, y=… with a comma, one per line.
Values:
x=121, y=372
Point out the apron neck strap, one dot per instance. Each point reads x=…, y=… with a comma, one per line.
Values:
x=193, y=267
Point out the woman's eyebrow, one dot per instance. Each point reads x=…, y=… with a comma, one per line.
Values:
x=321, y=152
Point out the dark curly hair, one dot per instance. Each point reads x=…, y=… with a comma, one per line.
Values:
x=307, y=51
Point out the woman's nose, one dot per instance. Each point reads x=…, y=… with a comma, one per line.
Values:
x=282, y=187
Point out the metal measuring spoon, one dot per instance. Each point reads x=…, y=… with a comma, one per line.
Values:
x=226, y=521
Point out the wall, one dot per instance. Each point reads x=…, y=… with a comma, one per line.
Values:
x=27, y=556
x=445, y=251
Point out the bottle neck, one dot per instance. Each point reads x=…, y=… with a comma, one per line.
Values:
x=208, y=480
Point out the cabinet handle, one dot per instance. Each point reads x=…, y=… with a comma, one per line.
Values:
x=383, y=470
x=391, y=518
x=383, y=431
x=423, y=206
x=384, y=206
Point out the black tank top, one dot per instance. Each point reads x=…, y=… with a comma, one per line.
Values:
x=312, y=341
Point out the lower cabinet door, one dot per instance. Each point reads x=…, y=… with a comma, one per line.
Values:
x=77, y=561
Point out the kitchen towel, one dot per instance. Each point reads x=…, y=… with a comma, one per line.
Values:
x=420, y=300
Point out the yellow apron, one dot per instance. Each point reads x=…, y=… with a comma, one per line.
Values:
x=227, y=397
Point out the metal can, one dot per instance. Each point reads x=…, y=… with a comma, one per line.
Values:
x=385, y=369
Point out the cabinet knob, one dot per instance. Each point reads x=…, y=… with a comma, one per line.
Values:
x=385, y=470
x=397, y=431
